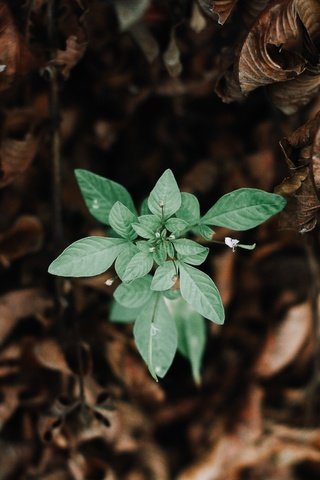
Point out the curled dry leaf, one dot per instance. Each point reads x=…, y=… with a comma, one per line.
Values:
x=127, y=367
x=272, y=50
x=19, y=304
x=284, y=343
x=218, y=8
x=26, y=236
x=283, y=46
x=19, y=144
x=50, y=355
x=302, y=152
x=171, y=57
x=15, y=58
x=250, y=9
x=68, y=58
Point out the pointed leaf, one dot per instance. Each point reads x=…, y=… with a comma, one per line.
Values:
x=155, y=334
x=134, y=294
x=165, y=198
x=204, y=231
x=121, y=220
x=100, y=194
x=200, y=292
x=191, y=334
x=165, y=277
x=147, y=226
x=138, y=266
x=197, y=259
x=189, y=247
x=87, y=257
x=176, y=226
x=189, y=210
x=127, y=253
x=244, y=208
x=121, y=314
x=160, y=254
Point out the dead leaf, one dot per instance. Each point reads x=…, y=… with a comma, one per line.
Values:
x=130, y=11
x=67, y=59
x=15, y=57
x=19, y=143
x=218, y=8
x=26, y=236
x=19, y=304
x=171, y=57
x=272, y=50
x=50, y=355
x=284, y=343
x=301, y=150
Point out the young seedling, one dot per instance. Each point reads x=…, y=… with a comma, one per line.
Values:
x=162, y=291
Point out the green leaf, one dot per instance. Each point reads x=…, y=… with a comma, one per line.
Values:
x=144, y=209
x=155, y=335
x=121, y=220
x=121, y=314
x=87, y=257
x=134, y=294
x=197, y=259
x=176, y=226
x=172, y=294
x=189, y=247
x=138, y=266
x=191, y=335
x=100, y=194
x=204, y=231
x=165, y=277
x=128, y=251
x=160, y=253
x=165, y=198
x=200, y=292
x=190, y=209
x=147, y=226
x=244, y=208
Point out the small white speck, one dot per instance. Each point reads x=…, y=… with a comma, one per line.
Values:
x=172, y=237
x=161, y=203
x=109, y=282
x=231, y=242
x=158, y=235
x=152, y=249
x=95, y=204
x=303, y=230
x=2, y=68
x=158, y=370
x=154, y=330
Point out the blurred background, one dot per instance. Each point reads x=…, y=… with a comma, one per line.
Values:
x=126, y=89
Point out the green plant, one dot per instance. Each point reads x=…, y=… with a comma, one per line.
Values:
x=162, y=291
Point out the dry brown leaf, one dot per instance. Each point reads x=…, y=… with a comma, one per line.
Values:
x=250, y=9
x=26, y=236
x=218, y=8
x=302, y=153
x=20, y=304
x=19, y=144
x=290, y=96
x=15, y=57
x=284, y=344
x=67, y=59
x=128, y=368
x=272, y=50
x=49, y=354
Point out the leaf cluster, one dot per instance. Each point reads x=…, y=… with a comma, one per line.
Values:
x=162, y=289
